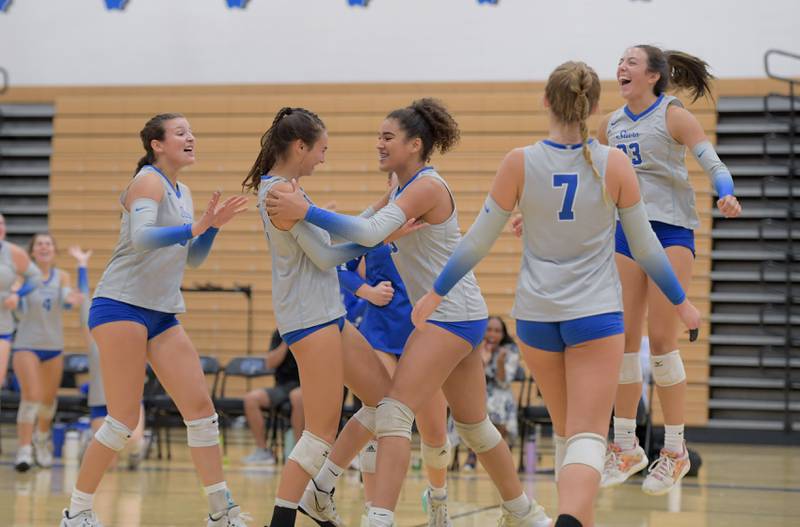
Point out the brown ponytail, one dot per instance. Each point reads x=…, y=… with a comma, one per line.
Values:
x=429, y=120
x=678, y=70
x=153, y=130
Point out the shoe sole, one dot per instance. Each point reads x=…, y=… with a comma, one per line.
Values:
x=632, y=472
x=666, y=491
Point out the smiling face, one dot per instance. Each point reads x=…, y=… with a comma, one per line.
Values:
x=312, y=156
x=43, y=249
x=494, y=331
x=634, y=79
x=395, y=149
x=177, y=147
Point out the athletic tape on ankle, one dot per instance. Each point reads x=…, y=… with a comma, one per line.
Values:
x=668, y=369
x=393, y=419
x=203, y=432
x=586, y=449
x=631, y=370
x=27, y=412
x=480, y=437
x=436, y=456
x=310, y=453
x=113, y=434
x=366, y=416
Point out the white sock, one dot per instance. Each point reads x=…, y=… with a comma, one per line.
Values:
x=286, y=504
x=380, y=517
x=560, y=444
x=625, y=433
x=519, y=507
x=79, y=502
x=328, y=475
x=673, y=438
x=219, y=497
x=439, y=493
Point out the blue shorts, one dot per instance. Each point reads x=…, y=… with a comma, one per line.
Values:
x=668, y=235
x=472, y=331
x=6, y=337
x=44, y=355
x=97, y=412
x=105, y=310
x=555, y=336
x=298, y=334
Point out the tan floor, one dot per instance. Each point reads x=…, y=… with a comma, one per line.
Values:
x=737, y=486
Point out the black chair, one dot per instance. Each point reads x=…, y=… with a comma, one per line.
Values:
x=161, y=411
x=528, y=415
x=229, y=407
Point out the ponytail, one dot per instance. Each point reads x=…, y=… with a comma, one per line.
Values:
x=678, y=70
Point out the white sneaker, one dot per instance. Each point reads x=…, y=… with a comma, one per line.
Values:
x=666, y=471
x=233, y=517
x=622, y=465
x=260, y=456
x=82, y=519
x=536, y=517
x=436, y=509
x=24, y=458
x=319, y=506
x=42, y=451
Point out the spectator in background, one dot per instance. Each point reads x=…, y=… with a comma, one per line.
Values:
x=287, y=388
x=500, y=359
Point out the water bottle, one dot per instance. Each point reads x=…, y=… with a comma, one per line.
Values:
x=530, y=454
x=59, y=430
x=72, y=445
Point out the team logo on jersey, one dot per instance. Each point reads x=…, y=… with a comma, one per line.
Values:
x=625, y=134
x=118, y=5
x=358, y=3
x=4, y=5
x=237, y=4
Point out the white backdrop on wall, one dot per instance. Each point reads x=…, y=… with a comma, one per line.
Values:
x=77, y=42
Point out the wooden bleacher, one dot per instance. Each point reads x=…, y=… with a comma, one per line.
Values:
x=96, y=147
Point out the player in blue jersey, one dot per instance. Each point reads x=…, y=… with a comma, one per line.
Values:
x=568, y=302
x=655, y=130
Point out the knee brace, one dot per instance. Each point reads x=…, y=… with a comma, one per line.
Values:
x=27, y=412
x=203, y=432
x=480, y=437
x=310, y=453
x=47, y=412
x=436, y=456
x=560, y=444
x=586, y=449
x=366, y=416
x=113, y=434
x=393, y=419
x=668, y=369
x=631, y=370
x=368, y=457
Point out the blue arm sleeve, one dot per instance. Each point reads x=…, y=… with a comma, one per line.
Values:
x=83, y=287
x=350, y=280
x=365, y=231
x=321, y=253
x=200, y=247
x=33, y=277
x=144, y=233
x=720, y=175
x=649, y=254
x=473, y=247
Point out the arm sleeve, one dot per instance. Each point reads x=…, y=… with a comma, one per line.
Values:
x=474, y=246
x=717, y=172
x=648, y=252
x=364, y=231
x=83, y=287
x=33, y=277
x=349, y=279
x=324, y=255
x=200, y=247
x=144, y=233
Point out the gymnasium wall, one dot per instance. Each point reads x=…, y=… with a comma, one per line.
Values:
x=80, y=42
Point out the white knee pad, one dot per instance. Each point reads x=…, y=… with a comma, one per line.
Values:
x=436, y=456
x=203, y=432
x=310, y=453
x=480, y=437
x=47, y=412
x=393, y=419
x=113, y=434
x=368, y=457
x=586, y=449
x=27, y=412
x=631, y=370
x=366, y=416
x=668, y=369
x=560, y=445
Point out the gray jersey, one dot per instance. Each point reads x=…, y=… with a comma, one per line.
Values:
x=659, y=161
x=8, y=275
x=568, y=268
x=421, y=256
x=150, y=279
x=303, y=295
x=41, y=325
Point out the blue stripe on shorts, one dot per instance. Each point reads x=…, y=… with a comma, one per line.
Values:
x=105, y=310
x=556, y=336
x=472, y=330
x=298, y=334
x=6, y=337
